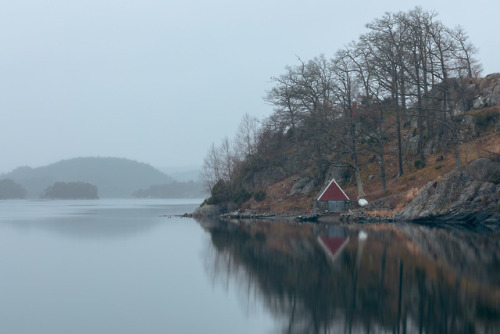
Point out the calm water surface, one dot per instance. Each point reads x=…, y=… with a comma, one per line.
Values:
x=113, y=266
x=133, y=266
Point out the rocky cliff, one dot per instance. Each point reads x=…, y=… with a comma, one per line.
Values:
x=488, y=91
x=469, y=193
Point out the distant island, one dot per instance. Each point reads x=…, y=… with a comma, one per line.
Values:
x=11, y=190
x=112, y=177
x=71, y=190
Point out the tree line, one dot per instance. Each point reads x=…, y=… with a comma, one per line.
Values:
x=71, y=190
x=11, y=190
x=407, y=70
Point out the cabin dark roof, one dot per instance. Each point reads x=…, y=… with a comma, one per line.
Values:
x=333, y=192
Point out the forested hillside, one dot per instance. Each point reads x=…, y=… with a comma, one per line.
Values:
x=402, y=104
x=114, y=177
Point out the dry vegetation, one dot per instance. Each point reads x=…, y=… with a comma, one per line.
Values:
x=279, y=200
x=372, y=103
x=401, y=190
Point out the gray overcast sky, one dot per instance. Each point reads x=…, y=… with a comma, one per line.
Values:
x=159, y=81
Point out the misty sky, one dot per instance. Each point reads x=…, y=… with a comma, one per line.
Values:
x=159, y=81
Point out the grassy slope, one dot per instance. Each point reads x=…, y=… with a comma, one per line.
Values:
x=401, y=190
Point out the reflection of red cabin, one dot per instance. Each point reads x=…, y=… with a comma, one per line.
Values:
x=335, y=197
x=334, y=242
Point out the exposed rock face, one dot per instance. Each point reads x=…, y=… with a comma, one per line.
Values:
x=464, y=94
x=265, y=177
x=208, y=211
x=303, y=186
x=466, y=193
x=489, y=88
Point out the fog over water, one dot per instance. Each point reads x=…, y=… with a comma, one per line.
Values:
x=115, y=266
x=136, y=266
x=159, y=81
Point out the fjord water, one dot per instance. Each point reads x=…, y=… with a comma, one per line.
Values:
x=134, y=266
x=112, y=266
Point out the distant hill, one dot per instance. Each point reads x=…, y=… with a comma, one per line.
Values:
x=183, y=174
x=114, y=177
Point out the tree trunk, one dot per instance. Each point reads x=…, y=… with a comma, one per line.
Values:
x=382, y=168
x=456, y=144
x=359, y=181
x=420, y=119
x=398, y=120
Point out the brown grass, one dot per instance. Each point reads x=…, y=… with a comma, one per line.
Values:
x=399, y=204
x=401, y=190
x=279, y=200
x=437, y=165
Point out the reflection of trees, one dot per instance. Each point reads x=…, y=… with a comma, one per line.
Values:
x=281, y=279
x=396, y=288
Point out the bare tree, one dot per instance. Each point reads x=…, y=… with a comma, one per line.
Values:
x=302, y=99
x=247, y=137
x=399, y=72
x=285, y=101
x=220, y=163
x=386, y=40
x=373, y=107
x=347, y=133
x=465, y=54
x=211, y=170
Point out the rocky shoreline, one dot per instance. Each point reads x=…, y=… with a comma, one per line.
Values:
x=468, y=198
x=479, y=221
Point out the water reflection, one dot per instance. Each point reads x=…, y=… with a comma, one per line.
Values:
x=399, y=279
x=89, y=219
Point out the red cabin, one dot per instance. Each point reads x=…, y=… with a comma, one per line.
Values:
x=335, y=196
